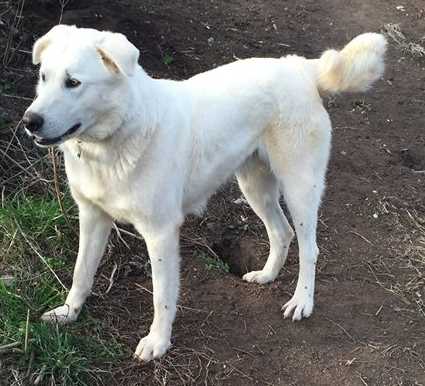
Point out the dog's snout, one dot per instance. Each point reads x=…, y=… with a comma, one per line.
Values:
x=32, y=121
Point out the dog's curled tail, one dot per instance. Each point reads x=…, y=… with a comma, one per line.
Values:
x=355, y=68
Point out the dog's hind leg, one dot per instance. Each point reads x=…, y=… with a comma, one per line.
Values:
x=301, y=167
x=95, y=226
x=261, y=189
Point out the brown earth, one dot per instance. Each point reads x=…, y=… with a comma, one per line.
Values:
x=368, y=325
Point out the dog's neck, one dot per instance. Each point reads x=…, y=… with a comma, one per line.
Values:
x=120, y=152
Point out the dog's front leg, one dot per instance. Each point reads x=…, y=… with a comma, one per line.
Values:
x=95, y=226
x=163, y=248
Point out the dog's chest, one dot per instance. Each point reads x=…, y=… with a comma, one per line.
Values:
x=101, y=186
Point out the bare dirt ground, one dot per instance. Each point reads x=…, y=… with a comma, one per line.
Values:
x=368, y=326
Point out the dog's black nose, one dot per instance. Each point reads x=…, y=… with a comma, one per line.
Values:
x=32, y=121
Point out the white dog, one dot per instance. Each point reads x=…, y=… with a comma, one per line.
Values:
x=148, y=151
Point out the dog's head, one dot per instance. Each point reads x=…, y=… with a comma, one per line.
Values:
x=84, y=76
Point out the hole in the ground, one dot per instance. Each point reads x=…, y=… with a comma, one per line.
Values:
x=239, y=253
x=413, y=157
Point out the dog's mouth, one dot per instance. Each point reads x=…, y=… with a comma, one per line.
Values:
x=43, y=142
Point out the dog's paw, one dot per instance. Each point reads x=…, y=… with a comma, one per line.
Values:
x=151, y=347
x=300, y=306
x=62, y=315
x=259, y=277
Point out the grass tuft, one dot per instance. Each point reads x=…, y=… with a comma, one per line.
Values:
x=59, y=355
x=37, y=242
x=38, y=219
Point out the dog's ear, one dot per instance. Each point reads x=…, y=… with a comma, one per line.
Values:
x=117, y=54
x=42, y=43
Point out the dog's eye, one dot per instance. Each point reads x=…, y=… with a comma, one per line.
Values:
x=43, y=76
x=72, y=83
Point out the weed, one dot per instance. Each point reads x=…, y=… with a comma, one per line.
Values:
x=7, y=87
x=167, y=59
x=5, y=121
x=214, y=263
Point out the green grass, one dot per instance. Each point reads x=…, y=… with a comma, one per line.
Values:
x=28, y=218
x=36, y=240
x=66, y=355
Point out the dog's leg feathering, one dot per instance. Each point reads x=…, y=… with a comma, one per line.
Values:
x=95, y=227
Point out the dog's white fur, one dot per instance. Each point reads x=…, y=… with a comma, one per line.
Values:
x=150, y=151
